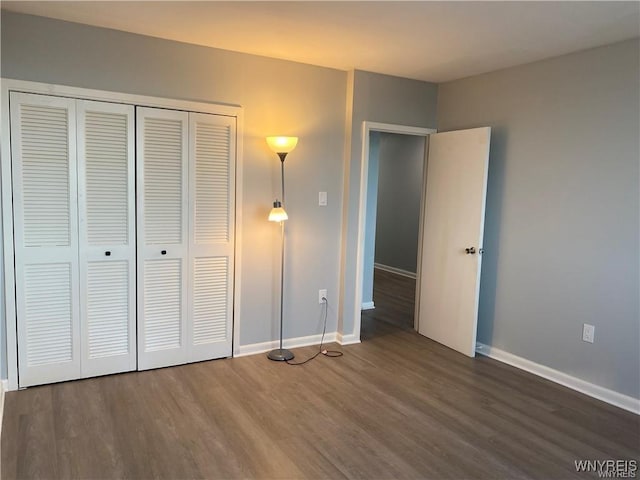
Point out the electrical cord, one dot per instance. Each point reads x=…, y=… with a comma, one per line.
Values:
x=321, y=351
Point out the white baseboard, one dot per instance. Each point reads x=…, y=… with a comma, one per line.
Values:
x=397, y=271
x=255, y=348
x=349, y=339
x=367, y=306
x=612, y=397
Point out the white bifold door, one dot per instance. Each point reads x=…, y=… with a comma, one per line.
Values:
x=91, y=297
x=186, y=193
x=74, y=236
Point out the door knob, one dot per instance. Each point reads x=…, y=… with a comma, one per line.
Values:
x=470, y=250
x=163, y=252
x=107, y=253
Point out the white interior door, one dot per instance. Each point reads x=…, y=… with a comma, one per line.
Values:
x=211, y=235
x=162, y=178
x=453, y=227
x=106, y=203
x=43, y=149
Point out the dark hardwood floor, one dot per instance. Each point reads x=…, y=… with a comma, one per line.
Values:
x=394, y=299
x=395, y=406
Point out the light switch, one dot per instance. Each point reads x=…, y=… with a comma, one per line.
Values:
x=322, y=199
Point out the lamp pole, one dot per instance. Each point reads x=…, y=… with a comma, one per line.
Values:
x=282, y=283
x=282, y=156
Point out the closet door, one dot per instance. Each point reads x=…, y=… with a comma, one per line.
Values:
x=212, y=156
x=43, y=146
x=162, y=160
x=106, y=202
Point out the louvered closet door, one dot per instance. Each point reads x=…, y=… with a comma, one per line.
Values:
x=106, y=203
x=162, y=146
x=43, y=146
x=212, y=156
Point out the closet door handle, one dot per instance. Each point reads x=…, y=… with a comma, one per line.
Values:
x=163, y=252
x=107, y=253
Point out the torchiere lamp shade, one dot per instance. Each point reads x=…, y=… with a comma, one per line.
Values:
x=282, y=144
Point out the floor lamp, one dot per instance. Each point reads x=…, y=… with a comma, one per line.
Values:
x=281, y=146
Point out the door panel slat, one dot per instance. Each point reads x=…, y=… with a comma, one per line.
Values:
x=45, y=175
x=47, y=291
x=108, y=308
x=210, y=278
x=163, y=285
x=107, y=166
x=212, y=171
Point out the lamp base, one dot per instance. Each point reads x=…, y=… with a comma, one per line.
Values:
x=280, y=355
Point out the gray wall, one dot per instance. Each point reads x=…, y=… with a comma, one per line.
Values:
x=376, y=98
x=562, y=233
x=278, y=97
x=400, y=179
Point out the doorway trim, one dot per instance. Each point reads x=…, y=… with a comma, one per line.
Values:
x=367, y=128
x=7, y=279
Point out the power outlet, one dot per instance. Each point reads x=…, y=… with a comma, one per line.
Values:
x=322, y=293
x=588, y=333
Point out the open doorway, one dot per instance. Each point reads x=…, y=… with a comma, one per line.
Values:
x=395, y=182
x=450, y=234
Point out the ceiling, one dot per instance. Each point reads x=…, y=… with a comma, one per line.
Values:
x=432, y=41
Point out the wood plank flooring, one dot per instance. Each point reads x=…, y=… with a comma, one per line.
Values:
x=395, y=406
